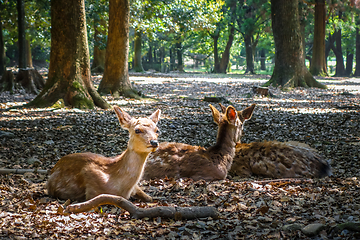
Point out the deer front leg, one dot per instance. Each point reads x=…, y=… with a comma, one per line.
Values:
x=140, y=194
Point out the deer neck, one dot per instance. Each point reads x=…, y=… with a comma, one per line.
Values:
x=131, y=163
x=225, y=144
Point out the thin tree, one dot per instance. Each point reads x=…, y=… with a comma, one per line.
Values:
x=318, y=61
x=116, y=74
x=21, y=31
x=69, y=70
x=290, y=69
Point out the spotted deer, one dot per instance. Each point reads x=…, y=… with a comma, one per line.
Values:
x=273, y=159
x=82, y=176
x=179, y=160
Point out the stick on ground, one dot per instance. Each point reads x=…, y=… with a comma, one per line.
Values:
x=176, y=213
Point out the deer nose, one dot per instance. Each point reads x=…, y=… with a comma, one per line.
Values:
x=154, y=143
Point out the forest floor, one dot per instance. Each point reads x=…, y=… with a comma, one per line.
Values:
x=327, y=120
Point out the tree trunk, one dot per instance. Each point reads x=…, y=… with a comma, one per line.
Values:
x=262, y=60
x=226, y=54
x=337, y=49
x=180, y=65
x=138, y=67
x=30, y=80
x=216, y=51
x=172, y=60
x=2, y=50
x=357, y=53
x=290, y=69
x=69, y=70
x=248, y=40
x=98, y=63
x=21, y=33
x=7, y=82
x=116, y=74
x=349, y=63
x=318, y=63
x=29, y=62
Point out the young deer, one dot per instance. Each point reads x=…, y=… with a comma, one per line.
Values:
x=274, y=159
x=178, y=160
x=82, y=176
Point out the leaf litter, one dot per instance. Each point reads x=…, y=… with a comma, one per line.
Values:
x=327, y=120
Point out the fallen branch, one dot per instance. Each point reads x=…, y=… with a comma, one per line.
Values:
x=176, y=213
x=22, y=171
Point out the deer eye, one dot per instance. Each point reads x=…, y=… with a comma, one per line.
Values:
x=158, y=131
x=138, y=131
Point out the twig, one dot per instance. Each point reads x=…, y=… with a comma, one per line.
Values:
x=176, y=213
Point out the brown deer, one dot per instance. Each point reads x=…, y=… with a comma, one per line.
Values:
x=275, y=159
x=272, y=159
x=180, y=160
x=82, y=176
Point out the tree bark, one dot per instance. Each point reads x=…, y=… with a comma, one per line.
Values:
x=357, y=53
x=337, y=49
x=138, y=67
x=21, y=34
x=180, y=64
x=98, y=63
x=262, y=60
x=177, y=213
x=216, y=51
x=116, y=74
x=290, y=70
x=2, y=50
x=69, y=70
x=31, y=80
x=248, y=40
x=349, y=63
x=225, y=57
x=318, y=63
x=29, y=62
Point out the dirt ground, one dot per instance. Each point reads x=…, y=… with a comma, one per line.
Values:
x=327, y=120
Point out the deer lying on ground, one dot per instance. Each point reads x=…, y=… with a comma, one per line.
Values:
x=82, y=176
x=275, y=159
x=178, y=160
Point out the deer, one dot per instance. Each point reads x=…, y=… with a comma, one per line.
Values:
x=273, y=159
x=83, y=176
x=179, y=160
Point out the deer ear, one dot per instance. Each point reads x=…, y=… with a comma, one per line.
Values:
x=124, y=118
x=223, y=108
x=246, y=113
x=155, y=117
x=231, y=114
x=215, y=113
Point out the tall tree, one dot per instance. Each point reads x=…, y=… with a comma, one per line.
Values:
x=138, y=67
x=69, y=71
x=100, y=34
x=2, y=49
x=357, y=51
x=228, y=25
x=21, y=32
x=318, y=61
x=116, y=75
x=290, y=69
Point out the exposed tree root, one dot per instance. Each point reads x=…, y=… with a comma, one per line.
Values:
x=176, y=213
